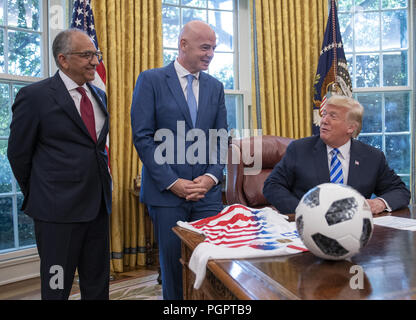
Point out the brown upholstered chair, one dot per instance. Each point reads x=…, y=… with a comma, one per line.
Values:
x=247, y=189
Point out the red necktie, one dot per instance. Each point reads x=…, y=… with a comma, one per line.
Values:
x=87, y=113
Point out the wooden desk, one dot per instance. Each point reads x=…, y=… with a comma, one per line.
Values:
x=388, y=262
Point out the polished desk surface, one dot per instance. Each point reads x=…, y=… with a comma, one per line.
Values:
x=388, y=262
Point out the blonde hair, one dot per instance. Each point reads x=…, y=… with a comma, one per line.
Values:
x=355, y=110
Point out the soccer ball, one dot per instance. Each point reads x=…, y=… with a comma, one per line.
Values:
x=334, y=221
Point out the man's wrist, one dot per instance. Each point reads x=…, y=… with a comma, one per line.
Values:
x=212, y=177
x=172, y=184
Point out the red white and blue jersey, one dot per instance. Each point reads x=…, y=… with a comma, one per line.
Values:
x=242, y=232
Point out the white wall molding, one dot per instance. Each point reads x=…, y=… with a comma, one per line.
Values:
x=19, y=265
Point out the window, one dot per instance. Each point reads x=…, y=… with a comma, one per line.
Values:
x=20, y=22
x=376, y=37
x=224, y=17
x=21, y=49
x=16, y=229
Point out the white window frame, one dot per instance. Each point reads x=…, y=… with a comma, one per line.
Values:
x=412, y=74
x=242, y=58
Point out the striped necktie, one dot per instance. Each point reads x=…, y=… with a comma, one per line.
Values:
x=335, y=170
x=191, y=98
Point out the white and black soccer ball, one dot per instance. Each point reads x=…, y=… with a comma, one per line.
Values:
x=334, y=221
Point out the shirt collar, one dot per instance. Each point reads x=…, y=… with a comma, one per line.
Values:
x=71, y=84
x=182, y=72
x=343, y=150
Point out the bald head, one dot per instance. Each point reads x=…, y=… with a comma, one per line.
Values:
x=194, y=29
x=197, y=42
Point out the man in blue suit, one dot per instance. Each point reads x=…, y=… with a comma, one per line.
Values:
x=174, y=111
x=334, y=156
x=57, y=154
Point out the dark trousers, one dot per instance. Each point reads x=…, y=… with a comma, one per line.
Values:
x=64, y=247
x=164, y=219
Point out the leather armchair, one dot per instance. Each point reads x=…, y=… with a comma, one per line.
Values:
x=245, y=188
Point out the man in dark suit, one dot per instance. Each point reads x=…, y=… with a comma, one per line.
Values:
x=57, y=154
x=334, y=156
x=174, y=111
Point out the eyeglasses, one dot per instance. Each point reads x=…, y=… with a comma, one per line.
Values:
x=89, y=54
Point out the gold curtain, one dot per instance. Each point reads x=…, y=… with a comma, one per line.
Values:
x=130, y=36
x=289, y=36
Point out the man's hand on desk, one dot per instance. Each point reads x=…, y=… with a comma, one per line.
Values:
x=377, y=205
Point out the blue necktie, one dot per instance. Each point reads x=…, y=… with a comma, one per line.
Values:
x=191, y=99
x=335, y=170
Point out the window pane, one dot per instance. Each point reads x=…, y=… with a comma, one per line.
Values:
x=5, y=117
x=391, y=4
x=24, y=55
x=235, y=116
x=171, y=1
x=367, y=31
x=375, y=141
x=394, y=29
x=24, y=14
x=398, y=153
x=170, y=18
x=169, y=56
x=1, y=12
x=26, y=226
x=372, y=120
x=193, y=14
x=16, y=88
x=5, y=170
x=6, y=224
x=344, y=5
x=397, y=112
x=195, y=3
x=345, y=25
x=367, y=71
x=395, y=69
x=2, y=69
x=222, y=23
x=367, y=4
x=221, y=4
x=406, y=180
x=221, y=67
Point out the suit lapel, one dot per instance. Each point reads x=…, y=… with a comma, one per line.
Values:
x=320, y=158
x=203, y=98
x=64, y=100
x=103, y=108
x=354, y=171
x=176, y=90
x=98, y=98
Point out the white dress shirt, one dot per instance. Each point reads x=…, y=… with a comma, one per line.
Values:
x=344, y=158
x=182, y=73
x=72, y=86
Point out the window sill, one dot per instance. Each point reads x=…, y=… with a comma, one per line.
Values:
x=19, y=265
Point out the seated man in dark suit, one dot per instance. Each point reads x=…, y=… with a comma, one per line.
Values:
x=334, y=156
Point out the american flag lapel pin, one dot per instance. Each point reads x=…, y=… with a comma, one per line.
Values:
x=357, y=163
